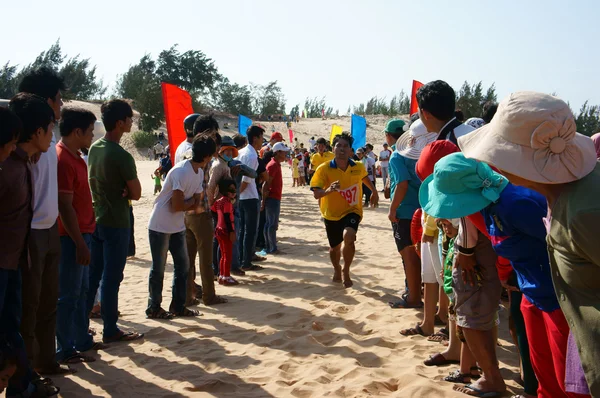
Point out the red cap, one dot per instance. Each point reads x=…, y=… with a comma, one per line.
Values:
x=430, y=156
x=277, y=136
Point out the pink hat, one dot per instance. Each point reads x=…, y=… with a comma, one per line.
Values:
x=533, y=136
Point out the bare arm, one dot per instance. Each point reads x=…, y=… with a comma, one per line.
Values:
x=399, y=194
x=134, y=189
x=178, y=202
x=265, y=190
x=69, y=220
x=374, y=195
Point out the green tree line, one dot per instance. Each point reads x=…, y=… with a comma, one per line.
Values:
x=193, y=71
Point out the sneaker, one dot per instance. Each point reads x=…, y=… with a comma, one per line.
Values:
x=229, y=281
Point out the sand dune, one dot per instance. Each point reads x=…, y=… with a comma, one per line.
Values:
x=286, y=332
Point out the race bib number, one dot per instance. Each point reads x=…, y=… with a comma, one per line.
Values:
x=350, y=194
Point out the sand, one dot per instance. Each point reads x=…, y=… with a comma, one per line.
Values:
x=286, y=332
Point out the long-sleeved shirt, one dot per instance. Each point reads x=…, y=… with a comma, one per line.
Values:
x=16, y=210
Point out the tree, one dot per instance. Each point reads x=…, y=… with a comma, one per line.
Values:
x=233, y=98
x=588, y=119
x=8, y=81
x=470, y=98
x=79, y=75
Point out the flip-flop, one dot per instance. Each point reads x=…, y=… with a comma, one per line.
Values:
x=187, y=313
x=123, y=336
x=57, y=370
x=402, y=303
x=416, y=331
x=439, y=360
x=78, y=358
x=469, y=390
x=439, y=322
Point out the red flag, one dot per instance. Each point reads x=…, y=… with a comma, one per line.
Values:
x=291, y=133
x=178, y=105
x=414, y=107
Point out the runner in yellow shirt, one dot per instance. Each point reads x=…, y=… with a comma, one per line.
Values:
x=337, y=185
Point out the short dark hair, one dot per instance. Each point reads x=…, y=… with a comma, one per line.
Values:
x=437, y=98
x=75, y=118
x=113, y=111
x=203, y=147
x=239, y=140
x=489, y=110
x=205, y=123
x=254, y=132
x=44, y=82
x=322, y=141
x=370, y=146
x=344, y=136
x=459, y=115
x=10, y=126
x=34, y=112
x=224, y=184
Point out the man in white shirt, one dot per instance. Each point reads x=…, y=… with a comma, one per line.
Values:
x=437, y=103
x=312, y=142
x=249, y=203
x=40, y=279
x=186, y=145
x=166, y=229
x=159, y=149
x=384, y=161
x=369, y=164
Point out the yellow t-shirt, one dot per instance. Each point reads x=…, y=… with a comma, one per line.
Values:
x=295, y=173
x=317, y=159
x=348, y=200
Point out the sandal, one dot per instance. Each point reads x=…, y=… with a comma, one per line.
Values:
x=186, y=312
x=123, y=336
x=216, y=300
x=439, y=360
x=457, y=377
x=229, y=281
x=57, y=370
x=402, y=303
x=258, y=258
x=413, y=331
x=44, y=388
x=439, y=321
x=97, y=346
x=95, y=315
x=441, y=335
x=193, y=301
x=476, y=392
x=78, y=357
x=159, y=314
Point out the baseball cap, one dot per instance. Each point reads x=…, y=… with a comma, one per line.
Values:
x=280, y=146
x=395, y=126
x=277, y=136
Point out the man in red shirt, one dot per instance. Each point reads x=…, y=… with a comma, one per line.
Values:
x=271, y=197
x=76, y=226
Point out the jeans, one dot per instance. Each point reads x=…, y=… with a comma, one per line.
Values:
x=384, y=174
x=261, y=242
x=10, y=323
x=249, y=214
x=72, y=320
x=175, y=243
x=272, y=210
x=131, y=251
x=109, y=255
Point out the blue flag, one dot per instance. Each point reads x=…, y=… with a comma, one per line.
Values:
x=243, y=124
x=358, y=129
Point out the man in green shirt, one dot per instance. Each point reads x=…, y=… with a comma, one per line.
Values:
x=114, y=182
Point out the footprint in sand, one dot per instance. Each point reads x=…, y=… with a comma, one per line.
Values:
x=355, y=328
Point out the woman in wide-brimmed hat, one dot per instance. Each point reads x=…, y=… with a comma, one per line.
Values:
x=532, y=140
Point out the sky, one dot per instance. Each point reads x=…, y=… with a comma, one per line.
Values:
x=347, y=51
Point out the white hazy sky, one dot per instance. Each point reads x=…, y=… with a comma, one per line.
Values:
x=347, y=50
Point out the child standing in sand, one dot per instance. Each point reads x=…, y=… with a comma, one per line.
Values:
x=157, y=183
x=225, y=230
x=295, y=173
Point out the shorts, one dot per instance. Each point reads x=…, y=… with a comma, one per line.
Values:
x=335, y=229
x=301, y=173
x=402, y=236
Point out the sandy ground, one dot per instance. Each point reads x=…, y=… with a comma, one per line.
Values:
x=286, y=331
